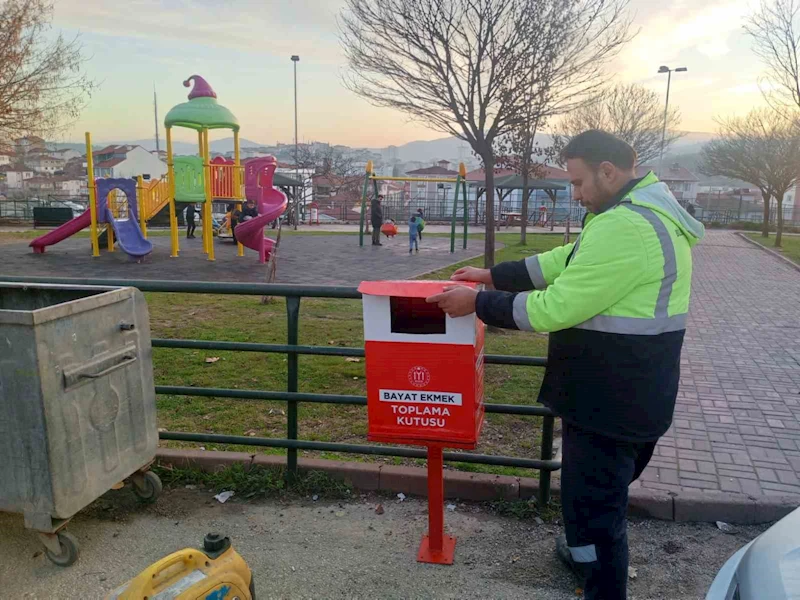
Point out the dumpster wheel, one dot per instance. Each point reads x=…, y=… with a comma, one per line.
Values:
x=147, y=486
x=69, y=550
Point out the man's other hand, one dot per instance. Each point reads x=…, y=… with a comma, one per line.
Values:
x=456, y=301
x=483, y=276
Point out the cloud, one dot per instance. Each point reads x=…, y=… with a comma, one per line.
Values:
x=242, y=26
x=704, y=27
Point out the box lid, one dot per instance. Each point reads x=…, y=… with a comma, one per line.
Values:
x=409, y=289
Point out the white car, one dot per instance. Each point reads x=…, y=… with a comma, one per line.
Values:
x=768, y=568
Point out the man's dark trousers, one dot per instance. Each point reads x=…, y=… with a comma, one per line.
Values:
x=376, y=234
x=595, y=474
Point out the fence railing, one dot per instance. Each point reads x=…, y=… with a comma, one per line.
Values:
x=292, y=396
x=21, y=209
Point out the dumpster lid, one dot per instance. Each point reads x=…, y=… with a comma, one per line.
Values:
x=409, y=289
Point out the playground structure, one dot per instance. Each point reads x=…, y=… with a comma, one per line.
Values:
x=200, y=180
x=112, y=202
x=461, y=192
x=126, y=205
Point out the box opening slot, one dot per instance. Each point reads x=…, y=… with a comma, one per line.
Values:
x=415, y=316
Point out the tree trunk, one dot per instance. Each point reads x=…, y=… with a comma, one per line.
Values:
x=779, y=229
x=523, y=231
x=488, y=245
x=765, y=227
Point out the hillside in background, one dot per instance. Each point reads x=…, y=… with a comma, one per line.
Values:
x=685, y=151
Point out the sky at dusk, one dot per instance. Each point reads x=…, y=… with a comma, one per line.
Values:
x=243, y=49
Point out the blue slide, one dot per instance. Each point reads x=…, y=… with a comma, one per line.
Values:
x=129, y=236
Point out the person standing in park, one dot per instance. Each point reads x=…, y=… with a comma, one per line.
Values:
x=615, y=304
x=376, y=219
x=191, y=212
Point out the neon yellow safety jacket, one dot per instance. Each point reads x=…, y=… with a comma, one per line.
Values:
x=615, y=303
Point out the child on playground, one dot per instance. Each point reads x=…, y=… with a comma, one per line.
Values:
x=420, y=223
x=413, y=234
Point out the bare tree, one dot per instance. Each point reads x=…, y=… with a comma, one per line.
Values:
x=467, y=67
x=776, y=41
x=520, y=152
x=762, y=148
x=632, y=113
x=340, y=172
x=42, y=84
x=330, y=162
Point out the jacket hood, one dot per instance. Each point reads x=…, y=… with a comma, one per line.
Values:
x=655, y=195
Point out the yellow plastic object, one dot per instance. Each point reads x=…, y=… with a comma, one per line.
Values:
x=215, y=573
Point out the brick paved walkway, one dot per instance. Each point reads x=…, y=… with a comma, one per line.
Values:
x=737, y=421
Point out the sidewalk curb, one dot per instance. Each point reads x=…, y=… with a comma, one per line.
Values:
x=484, y=487
x=778, y=255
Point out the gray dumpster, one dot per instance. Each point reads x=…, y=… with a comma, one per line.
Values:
x=77, y=403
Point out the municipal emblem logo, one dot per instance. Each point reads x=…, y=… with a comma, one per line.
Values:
x=419, y=376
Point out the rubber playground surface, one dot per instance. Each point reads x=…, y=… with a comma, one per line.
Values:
x=309, y=260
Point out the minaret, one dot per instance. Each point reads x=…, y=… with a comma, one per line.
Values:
x=155, y=109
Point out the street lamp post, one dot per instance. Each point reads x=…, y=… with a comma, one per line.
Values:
x=668, y=71
x=295, y=60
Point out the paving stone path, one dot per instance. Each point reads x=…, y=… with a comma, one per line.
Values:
x=737, y=421
x=303, y=259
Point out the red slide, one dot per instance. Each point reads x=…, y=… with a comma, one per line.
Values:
x=61, y=233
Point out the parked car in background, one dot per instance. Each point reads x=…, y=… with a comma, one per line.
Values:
x=768, y=568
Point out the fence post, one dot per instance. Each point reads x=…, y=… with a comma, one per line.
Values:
x=546, y=454
x=293, y=322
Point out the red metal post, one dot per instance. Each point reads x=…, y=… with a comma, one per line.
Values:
x=436, y=547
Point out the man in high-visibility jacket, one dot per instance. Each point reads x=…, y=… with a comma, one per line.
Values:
x=615, y=304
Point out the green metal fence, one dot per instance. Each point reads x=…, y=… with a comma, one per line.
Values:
x=293, y=295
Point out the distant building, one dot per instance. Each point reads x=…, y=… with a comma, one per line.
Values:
x=127, y=161
x=251, y=152
x=791, y=204
x=423, y=194
x=39, y=184
x=336, y=196
x=72, y=187
x=16, y=176
x=29, y=144
x=681, y=181
x=66, y=154
x=5, y=158
x=45, y=164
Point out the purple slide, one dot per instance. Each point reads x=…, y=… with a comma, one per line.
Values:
x=61, y=233
x=129, y=237
x=258, y=185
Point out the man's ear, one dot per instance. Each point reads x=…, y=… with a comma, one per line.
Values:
x=607, y=170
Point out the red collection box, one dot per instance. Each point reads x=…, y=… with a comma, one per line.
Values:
x=424, y=369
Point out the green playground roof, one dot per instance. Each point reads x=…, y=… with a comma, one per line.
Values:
x=514, y=182
x=201, y=113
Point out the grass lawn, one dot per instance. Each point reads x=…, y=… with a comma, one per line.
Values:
x=323, y=322
x=790, y=244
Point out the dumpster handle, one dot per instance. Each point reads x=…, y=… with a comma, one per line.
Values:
x=99, y=367
x=126, y=359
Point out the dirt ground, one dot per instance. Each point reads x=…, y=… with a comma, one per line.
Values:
x=330, y=549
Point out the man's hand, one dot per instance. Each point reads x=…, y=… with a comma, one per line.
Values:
x=456, y=301
x=483, y=276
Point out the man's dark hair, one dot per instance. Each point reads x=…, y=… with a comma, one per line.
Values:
x=380, y=196
x=596, y=146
